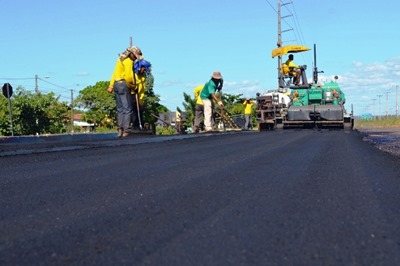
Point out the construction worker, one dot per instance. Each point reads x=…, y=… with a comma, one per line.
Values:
x=248, y=109
x=207, y=95
x=141, y=68
x=294, y=70
x=198, y=108
x=121, y=84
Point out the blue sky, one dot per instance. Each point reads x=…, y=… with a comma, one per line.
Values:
x=75, y=44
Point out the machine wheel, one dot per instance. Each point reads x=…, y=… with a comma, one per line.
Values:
x=266, y=126
x=262, y=126
x=347, y=126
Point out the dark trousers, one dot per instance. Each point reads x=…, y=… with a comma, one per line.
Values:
x=198, y=116
x=124, y=106
x=248, y=124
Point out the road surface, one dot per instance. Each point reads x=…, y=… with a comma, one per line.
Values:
x=290, y=197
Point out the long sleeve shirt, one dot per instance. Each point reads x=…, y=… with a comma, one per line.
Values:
x=248, y=107
x=123, y=71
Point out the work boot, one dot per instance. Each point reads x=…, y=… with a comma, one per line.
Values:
x=125, y=134
x=120, y=132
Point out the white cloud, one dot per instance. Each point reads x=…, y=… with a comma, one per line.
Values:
x=170, y=83
x=357, y=63
x=370, y=83
x=248, y=88
x=83, y=74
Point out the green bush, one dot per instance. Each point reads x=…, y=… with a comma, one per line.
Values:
x=169, y=130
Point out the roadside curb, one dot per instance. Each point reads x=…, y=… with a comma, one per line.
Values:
x=24, y=145
x=55, y=138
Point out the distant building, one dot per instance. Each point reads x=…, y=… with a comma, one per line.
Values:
x=84, y=127
x=171, y=118
x=367, y=117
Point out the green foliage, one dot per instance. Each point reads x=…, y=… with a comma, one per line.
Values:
x=233, y=103
x=151, y=102
x=43, y=113
x=97, y=103
x=5, y=129
x=189, y=104
x=103, y=129
x=33, y=113
x=167, y=130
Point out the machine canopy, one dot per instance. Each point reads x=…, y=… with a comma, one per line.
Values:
x=289, y=49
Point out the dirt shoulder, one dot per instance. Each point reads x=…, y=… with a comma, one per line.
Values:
x=384, y=138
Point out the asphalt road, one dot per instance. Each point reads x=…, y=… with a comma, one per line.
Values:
x=292, y=197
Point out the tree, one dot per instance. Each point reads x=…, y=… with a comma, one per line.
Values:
x=189, y=104
x=34, y=113
x=5, y=129
x=233, y=103
x=38, y=113
x=97, y=102
x=151, y=102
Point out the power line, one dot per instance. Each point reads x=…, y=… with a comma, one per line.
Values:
x=301, y=36
x=16, y=78
x=36, y=78
x=292, y=25
x=273, y=8
x=298, y=33
x=58, y=86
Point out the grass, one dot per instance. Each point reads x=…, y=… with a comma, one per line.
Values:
x=382, y=122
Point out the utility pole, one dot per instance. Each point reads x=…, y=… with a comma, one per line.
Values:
x=397, y=104
x=279, y=43
x=36, y=84
x=72, y=111
x=379, y=104
x=374, y=111
x=387, y=108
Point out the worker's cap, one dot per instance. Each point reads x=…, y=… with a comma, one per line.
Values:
x=216, y=75
x=135, y=50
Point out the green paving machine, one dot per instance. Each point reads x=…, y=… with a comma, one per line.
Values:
x=297, y=102
x=309, y=105
x=318, y=105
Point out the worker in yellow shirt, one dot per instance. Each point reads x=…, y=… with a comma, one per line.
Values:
x=248, y=109
x=294, y=70
x=198, y=109
x=141, y=68
x=121, y=84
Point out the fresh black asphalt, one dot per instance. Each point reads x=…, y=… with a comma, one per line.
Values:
x=291, y=197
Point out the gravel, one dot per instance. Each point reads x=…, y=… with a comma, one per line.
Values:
x=385, y=139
